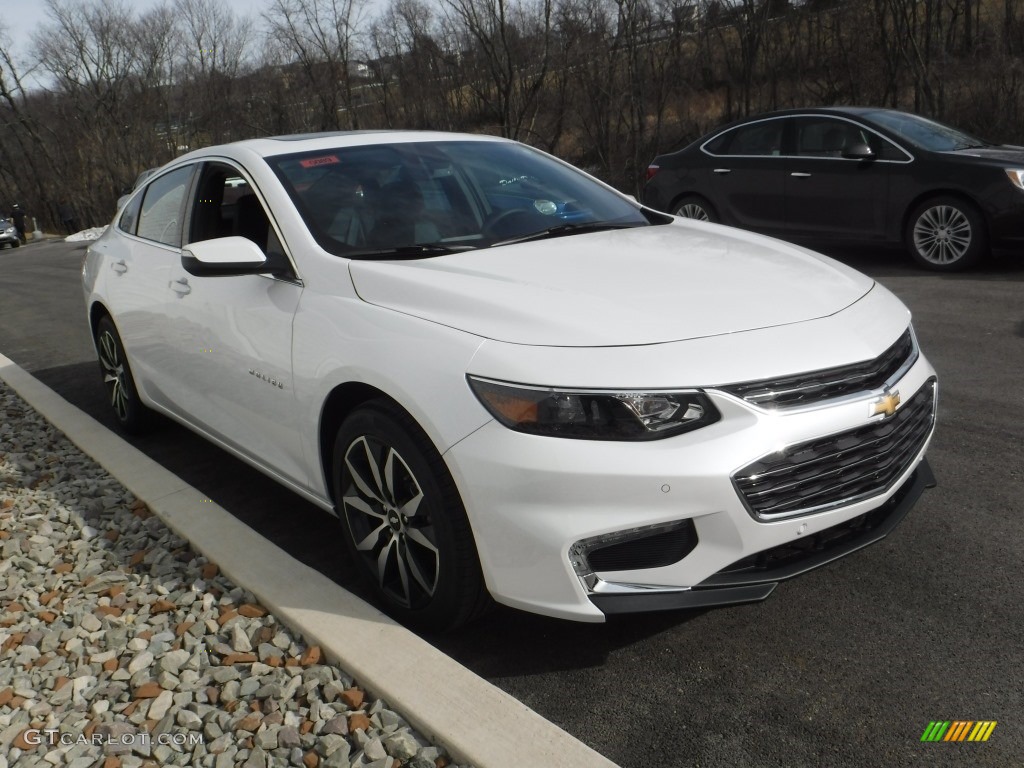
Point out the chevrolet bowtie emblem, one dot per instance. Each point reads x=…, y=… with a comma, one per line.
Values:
x=886, y=404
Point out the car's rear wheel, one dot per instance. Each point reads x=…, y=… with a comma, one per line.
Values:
x=946, y=234
x=695, y=207
x=403, y=521
x=132, y=416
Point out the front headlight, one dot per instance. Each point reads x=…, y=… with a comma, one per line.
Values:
x=1016, y=177
x=598, y=414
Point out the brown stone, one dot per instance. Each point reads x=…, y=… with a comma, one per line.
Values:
x=231, y=706
x=48, y=616
x=311, y=656
x=213, y=694
x=440, y=762
x=311, y=759
x=46, y=597
x=110, y=665
x=43, y=660
x=183, y=627
x=250, y=722
x=130, y=708
x=17, y=701
x=210, y=571
x=146, y=634
x=306, y=727
x=113, y=761
x=90, y=729
x=137, y=558
x=5, y=535
x=353, y=698
x=13, y=641
x=291, y=661
x=88, y=580
x=162, y=606
x=6, y=695
x=114, y=591
x=15, y=607
x=108, y=610
x=226, y=615
x=358, y=722
x=147, y=691
x=21, y=741
x=273, y=661
x=255, y=705
x=60, y=682
x=111, y=535
x=8, y=503
x=239, y=658
x=62, y=568
x=251, y=611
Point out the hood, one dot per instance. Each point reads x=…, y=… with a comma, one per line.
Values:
x=626, y=287
x=1002, y=154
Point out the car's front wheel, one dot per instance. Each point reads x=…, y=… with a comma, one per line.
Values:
x=403, y=521
x=132, y=416
x=695, y=207
x=946, y=234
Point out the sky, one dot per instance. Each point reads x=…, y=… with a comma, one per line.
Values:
x=20, y=18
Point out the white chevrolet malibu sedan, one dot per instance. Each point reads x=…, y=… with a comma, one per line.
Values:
x=508, y=380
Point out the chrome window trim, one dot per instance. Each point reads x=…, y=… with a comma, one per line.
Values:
x=886, y=139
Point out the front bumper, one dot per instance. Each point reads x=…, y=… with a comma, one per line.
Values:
x=755, y=577
x=532, y=500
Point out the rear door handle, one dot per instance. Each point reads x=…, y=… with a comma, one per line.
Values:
x=723, y=170
x=181, y=287
x=800, y=175
x=119, y=266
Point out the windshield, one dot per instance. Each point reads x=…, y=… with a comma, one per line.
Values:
x=926, y=133
x=412, y=200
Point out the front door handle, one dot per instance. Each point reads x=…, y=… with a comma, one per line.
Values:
x=723, y=170
x=181, y=287
x=800, y=175
x=119, y=266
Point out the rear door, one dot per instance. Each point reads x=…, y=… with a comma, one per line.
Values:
x=747, y=175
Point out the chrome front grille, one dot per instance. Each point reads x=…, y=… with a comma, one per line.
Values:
x=841, y=468
x=809, y=388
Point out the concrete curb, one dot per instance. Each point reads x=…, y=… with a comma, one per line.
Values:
x=477, y=722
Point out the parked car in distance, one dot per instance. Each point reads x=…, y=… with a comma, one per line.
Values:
x=8, y=234
x=851, y=174
x=508, y=379
x=138, y=183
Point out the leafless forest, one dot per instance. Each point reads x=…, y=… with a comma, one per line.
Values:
x=108, y=91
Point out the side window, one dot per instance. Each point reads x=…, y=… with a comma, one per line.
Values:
x=162, y=206
x=886, y=150
x=826, y=137
x=227, y=205
x=130, y=215
x=763, y=138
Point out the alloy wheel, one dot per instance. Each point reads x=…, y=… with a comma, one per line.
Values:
x=383, y=502
x=693, y=211
x=114, y=374
x=942, y=234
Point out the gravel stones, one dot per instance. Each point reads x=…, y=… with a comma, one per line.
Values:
x=121, y=647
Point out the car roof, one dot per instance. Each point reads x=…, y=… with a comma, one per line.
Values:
x=272, y=146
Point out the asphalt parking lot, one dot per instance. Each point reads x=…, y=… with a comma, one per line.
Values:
x=844, y=666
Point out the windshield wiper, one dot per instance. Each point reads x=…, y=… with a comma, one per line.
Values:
x=568, y=229
x=410, y=251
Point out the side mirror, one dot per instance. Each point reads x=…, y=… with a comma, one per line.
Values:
x=859, y=151
x=226, y=256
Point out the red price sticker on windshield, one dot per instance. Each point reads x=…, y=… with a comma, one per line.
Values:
x=313, y=162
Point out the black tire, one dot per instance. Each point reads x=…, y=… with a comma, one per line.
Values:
x=946, y=234
x=695, y=207
x=132, y=416
x=16, y=244
x=408, y=536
